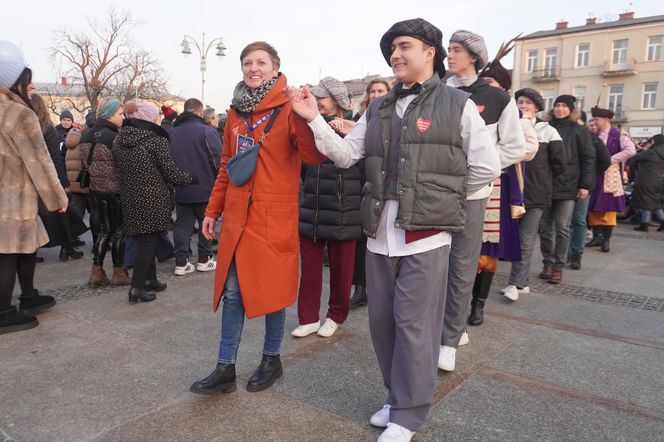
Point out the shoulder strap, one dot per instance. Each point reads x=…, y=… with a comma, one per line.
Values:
x=95, y=138
x=269, y=125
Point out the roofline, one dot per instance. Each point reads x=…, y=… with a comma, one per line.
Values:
x=594, y=27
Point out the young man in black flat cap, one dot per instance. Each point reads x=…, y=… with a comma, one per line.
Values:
x=426, y=147
x=467, y=56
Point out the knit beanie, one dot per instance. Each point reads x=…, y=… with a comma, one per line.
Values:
x=475, y=45
x=11, y=63
x=331, y=87
x=169, y=113
x=568, y=100
x=108, y=108
x=66, y=114
x=141, y=110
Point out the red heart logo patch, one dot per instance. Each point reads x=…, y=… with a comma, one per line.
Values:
x=481, y=107
x=423, y=124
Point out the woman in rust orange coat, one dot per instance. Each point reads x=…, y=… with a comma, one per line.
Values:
x=257, y=263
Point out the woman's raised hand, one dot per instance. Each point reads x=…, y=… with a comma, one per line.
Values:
x=208, y=227
x=303, y=102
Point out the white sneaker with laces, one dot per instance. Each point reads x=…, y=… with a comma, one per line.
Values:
x=207, y=266
x=396, y=433
x=381, y=417
x=523, y=291
x=328, y=328
x=447, y=358
x=464, y=339
x=183, y=270
x=511, y=293
x=306, y=329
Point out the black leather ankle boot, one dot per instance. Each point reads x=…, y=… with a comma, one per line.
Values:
x=136, y=295
x=267, y=372
x=221, y=380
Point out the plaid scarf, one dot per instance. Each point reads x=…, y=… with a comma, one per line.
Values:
x=246, y=99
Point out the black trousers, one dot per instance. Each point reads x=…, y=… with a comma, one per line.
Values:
x=186, y=216
x=108, y=210
x=12, y=264
x=79, y=203
x=359, y=271
x=145, y=267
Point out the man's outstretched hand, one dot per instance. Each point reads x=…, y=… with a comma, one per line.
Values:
x=303, y=102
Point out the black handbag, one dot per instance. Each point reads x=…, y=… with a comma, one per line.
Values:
x=242, y=166
x=83, y=177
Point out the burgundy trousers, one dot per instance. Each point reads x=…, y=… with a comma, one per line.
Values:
x=342, y=258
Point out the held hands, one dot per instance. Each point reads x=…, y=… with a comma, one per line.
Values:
x=341, y=126
x=582, y=194
x=303, y=102
x=208, y=227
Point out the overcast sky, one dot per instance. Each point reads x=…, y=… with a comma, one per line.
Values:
x=338, y=38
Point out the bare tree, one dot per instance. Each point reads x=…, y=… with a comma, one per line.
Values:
x=104, y=61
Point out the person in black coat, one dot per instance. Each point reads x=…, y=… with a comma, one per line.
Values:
x=572, y=181
x=648, y=193
x=329, y=215
x=146, y=171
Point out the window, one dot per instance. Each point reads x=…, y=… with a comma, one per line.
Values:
x=649, y=95
x=616, y=98
x=550, y=62
x=619, y=52
x=655, y=48
x=532, y=60
x=582, y=55
x=549, y=95
x=580, y=94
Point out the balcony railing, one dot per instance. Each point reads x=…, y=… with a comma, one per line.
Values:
x=627, y=67
x=546, y=74
x=620, y=116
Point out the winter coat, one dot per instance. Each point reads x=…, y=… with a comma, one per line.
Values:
x=196, y=149
x=146, y=170
x=330, y=208
x=578, y=171
x=62, y=132
x=261, y=216
x=26, y=175
x=538, y=182
x=73, y=163
x=53, y=144
x=648, y=188
x=103, y=170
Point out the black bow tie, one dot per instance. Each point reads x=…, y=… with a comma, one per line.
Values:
x=413, y=90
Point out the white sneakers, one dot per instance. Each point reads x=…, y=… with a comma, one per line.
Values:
x=447, y=358
x=464, y=339
x=208, y=266
x=183, y=270
x=306, y=329
x=512, y=292
x=396, y=433
x=325, y=331
x=381, y=417
x=328, y=328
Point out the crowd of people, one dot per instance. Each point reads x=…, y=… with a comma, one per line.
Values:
x=413, y=201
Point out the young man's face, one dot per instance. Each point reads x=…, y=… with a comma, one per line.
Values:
x=66, y=122
x=592, y=126
x=459, y=60
x=560, y=110
x=602, y=123
x=411, y=59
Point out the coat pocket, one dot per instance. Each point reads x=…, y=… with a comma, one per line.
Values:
x=282, y=234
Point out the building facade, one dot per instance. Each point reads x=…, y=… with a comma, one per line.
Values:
x=618, y=65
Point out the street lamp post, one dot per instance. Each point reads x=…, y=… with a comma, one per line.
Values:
x=203, y=52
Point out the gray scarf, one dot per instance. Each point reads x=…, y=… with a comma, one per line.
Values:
x=246, y=99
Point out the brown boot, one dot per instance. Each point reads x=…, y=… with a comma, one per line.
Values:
x=556, y=276
x=98, y=276
x=120, y=276
x=546, y=273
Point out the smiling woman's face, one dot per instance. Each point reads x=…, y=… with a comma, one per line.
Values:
x=257, y=67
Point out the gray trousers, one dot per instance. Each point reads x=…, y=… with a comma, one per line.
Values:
x=186, y=216
x=464, y=256
x=406, y=303
x=554, y=230
x=528, y=228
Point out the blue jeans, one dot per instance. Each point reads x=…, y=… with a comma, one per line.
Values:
x=232, y=321
x=579, y=227
x=645, y=215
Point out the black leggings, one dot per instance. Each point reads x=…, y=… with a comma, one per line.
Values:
x=109, y=213
x=12, y=264
x=145, y=267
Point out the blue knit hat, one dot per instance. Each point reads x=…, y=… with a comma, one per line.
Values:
x=11, y=63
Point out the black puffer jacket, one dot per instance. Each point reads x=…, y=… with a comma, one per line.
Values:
x=147, y=171
x=538, y=183
x=578, y=171
x=649, y=184
x=330, y=207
